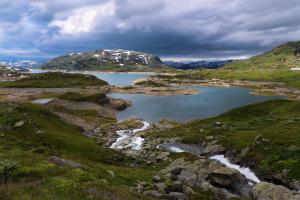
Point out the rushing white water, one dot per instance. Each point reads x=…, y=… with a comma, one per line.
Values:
x=128, y=139
x=245, y=171
x=176, y=149
x=42, y=101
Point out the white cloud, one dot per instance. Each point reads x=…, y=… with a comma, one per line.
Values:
x=86, y=19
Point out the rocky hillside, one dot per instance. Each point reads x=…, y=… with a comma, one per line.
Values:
x=106, y=60
x=198, y=64
x=286, y=56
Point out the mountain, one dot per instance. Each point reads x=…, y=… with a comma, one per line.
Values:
x=198, y=64
x=120, y=60
x=286, y=56
x=21, y=64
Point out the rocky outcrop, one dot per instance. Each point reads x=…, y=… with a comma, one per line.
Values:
x=208, y=175
x=63, y=162
x=120, y=104
x=269, y=191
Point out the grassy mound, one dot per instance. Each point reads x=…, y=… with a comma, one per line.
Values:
x=269, y=130
x=56, y=80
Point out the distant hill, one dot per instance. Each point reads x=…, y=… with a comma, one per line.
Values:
x=106, y=60
x=285, y=56
x=198, y=64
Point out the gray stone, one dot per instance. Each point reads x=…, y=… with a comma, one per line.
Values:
x=161, y=186
x=269, y=191
x=174, y=187
x=153, y=193
x=63, y=162
x=176, y=196
x=19, y=124
x=156, y=178
x=213, y=149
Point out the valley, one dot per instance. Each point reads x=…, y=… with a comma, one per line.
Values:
x=228, y=133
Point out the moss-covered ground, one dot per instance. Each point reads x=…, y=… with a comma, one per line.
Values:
x=55, y=80
x=270, y=130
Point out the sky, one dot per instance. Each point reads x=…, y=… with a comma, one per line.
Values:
x=171, y=29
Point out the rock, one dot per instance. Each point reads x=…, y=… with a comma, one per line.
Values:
x=218, y=123
x=162, y=156
x=244, y=152
x=225, y=177
x=19, y=124
x=63, y=162
x=175, y=187
x=213, y=149
x=153, y=193
x=156, y=178
x=120, y=104
x=176, y=196
x=207, y=175
x=160, y=186
x=269, y=191
x=102, y=99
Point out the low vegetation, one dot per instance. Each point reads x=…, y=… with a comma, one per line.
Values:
x=31, y=134
x=268, y=132
x=55, y=80
x=97, y=98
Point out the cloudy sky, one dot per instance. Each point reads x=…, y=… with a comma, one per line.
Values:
x=39, y=29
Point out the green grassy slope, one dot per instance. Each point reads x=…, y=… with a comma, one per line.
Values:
x=104, y=173
x=273, y=66
x=55, y=80
x=282, y=57
x=275, y=124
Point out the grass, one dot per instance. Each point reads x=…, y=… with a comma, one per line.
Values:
x=73, y=96
x=55, y=80
x=275, y=122
x=104, y=173
x=288, y=77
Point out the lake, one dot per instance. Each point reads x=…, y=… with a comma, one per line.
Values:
x=211, y=101
x=117, y=79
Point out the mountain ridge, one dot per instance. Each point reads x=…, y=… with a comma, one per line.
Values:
x=104, y=59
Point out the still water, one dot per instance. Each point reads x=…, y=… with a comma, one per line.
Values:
x=211, y=101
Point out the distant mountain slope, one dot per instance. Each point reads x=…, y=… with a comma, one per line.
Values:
x=198, y=64
x=285, y=56
x=121, y=60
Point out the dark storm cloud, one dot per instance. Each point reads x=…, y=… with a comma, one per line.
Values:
x=170, y=28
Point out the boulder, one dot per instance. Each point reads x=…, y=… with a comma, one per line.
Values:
x=161, y=186
x=176, y=196
x=156, y=178
x=153, y=193
x=174, y=187
x=270, y=191
x=102, y=99
x=213, y=149
x=225, y=177
x=63, y=162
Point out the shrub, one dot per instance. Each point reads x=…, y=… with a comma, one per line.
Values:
x=7, y=169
